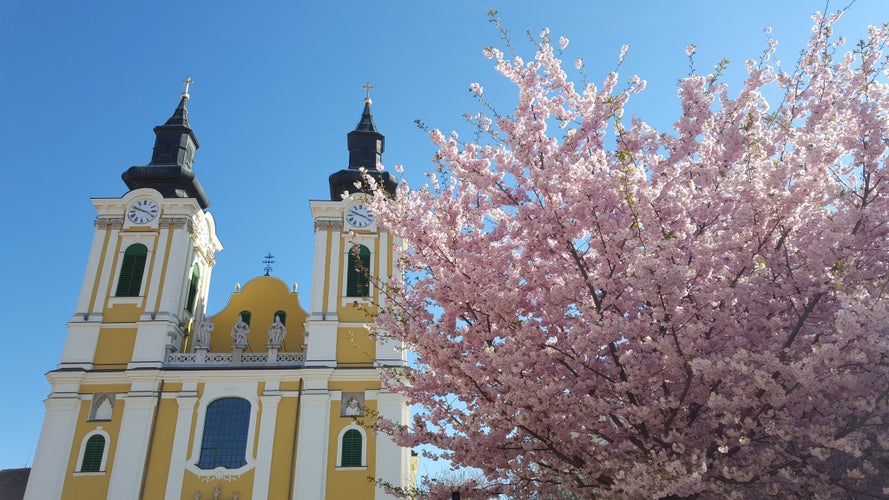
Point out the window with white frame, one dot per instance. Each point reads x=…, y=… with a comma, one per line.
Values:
x=224, y=442
x=93, y=454
x=351, y=449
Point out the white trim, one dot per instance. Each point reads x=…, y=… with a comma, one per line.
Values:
x=393, y=462
x=314, y=441
x=384, y=270
x=114, y=300
x=91, y=275
x=50, y=464
x=181, y=251
x=334, y=273
x=132, y=438
x=108, y=276
x=213, y=392
x=319, y=273
x=339, y=447
x=79, y=464
x=186, y=404
x=266, y=443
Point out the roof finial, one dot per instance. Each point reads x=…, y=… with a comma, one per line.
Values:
x=367, y=88
x=188, y=81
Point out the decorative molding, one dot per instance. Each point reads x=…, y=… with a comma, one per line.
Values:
x=323, y=224
x=220, y=474
x=178, y=223
x=104, y=222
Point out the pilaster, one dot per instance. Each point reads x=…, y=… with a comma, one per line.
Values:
x=266, y=443
x=132, y=445
x=174, y=271
x=311, y=450
x=186, y=402
x=393, y=461
x=50, y=464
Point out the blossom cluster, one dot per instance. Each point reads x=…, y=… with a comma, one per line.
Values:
x=603, y=309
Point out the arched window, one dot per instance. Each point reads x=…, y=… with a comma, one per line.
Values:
x=245, y=316
x=129, y=283
x=93, y=454
x=351, y=449
x=357, y=282
x=193, y=288
x=282, y=315
x=224, y=443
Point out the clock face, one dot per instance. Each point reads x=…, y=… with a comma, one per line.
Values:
x=143, y=211
x=359, y=215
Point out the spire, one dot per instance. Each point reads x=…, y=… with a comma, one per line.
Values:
x=366, y=146
x=180, y=116
x=170, y=170
x=367, y=120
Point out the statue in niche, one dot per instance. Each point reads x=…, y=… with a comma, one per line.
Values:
x=239, y=332
x=353, y=408
x=277, y=332
x=202, y=337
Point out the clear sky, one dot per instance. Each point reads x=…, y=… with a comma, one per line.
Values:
x=278, y=85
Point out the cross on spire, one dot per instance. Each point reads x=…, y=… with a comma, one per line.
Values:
x=367, y=88
x=188, y=81
x=268, y=260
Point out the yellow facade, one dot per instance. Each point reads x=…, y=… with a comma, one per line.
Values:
x=155, y=398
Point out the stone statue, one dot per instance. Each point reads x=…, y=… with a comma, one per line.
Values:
x=239, y=332
x=353, y=408
x=277, y=332
x=202, y=337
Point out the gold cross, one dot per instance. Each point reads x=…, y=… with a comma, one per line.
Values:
x=188, y=81
x=367, y=87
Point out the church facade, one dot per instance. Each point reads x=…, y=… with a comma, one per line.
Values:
x=153, y=398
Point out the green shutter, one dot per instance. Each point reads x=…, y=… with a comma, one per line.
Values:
x=193, y=288
x=245, y=316
x=92, y=454
x=282, y=315
x=129, y=283
x=351, y=449
x=357, y=282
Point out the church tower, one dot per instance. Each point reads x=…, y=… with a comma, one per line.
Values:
x=154, y=398
x=346, y=361
x=146, y=279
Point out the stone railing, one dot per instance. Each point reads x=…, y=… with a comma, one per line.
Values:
x=203, y=359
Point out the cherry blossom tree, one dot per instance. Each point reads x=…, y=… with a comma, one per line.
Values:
x=602, y=309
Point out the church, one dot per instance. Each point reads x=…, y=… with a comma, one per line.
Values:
x=154, y=398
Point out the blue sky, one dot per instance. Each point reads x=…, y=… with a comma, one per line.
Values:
x=277, y=87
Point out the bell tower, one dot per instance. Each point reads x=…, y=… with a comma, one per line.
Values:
x=350, y=248
x=145, y=284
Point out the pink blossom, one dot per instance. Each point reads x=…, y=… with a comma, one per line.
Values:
x=618, y=311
